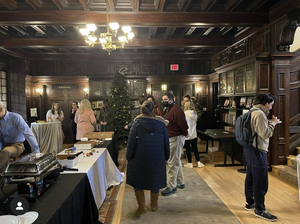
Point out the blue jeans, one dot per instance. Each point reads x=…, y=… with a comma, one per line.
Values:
x=256, y=182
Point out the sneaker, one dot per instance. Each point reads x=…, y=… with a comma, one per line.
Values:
x=265, y=215
x=181, y=186
x=249, y=207
x=200, y=165
x=168, y=191
x=188, y=165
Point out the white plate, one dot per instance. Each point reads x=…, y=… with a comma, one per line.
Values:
x=10, y=219
x=28, y=217
x=108, y=139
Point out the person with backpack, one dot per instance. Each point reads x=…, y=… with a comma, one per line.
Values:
x=256, y=182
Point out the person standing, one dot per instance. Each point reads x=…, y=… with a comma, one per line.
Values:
x=107, y=117
x=147, y=152
x=13, y=132
x=256, y=182
x=177, y=130
x=55, y=113
x=191, y=140
x=156, y=109
x=73, y=125
x=85, y=119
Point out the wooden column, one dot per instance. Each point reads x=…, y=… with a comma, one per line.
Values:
x=281, y=63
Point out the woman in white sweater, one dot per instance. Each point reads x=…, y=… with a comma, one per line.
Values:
x=191, y=139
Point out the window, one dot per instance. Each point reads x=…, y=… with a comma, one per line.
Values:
x=3, y=88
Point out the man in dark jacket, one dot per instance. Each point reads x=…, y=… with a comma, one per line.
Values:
x=177, y=130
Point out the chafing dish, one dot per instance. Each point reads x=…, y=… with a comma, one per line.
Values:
x=33, y=173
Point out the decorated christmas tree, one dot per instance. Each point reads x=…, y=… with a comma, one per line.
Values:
x=120, y=103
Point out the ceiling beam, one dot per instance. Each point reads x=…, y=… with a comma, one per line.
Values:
x=85, y=4
x=207, y=4
x=61, y=4
x=160, y=4
x=134, y=18
x=135, y=5
x=110, y=5
x=35, y=4
x=231, y=4
x=255, y=5
x=5, y=51
x=183, y=5
x=10, y=4
x=141, y=43
x=116, y=55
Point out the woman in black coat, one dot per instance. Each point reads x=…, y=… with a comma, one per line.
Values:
x=147, y=152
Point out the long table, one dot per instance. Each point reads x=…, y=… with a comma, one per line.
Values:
x=48, y=136
x=101, y=172
x=70, y=200
x=222, y=136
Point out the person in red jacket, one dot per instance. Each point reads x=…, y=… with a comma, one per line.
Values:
x=177, y=130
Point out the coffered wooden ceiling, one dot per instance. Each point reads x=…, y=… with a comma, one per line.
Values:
x=49, y=29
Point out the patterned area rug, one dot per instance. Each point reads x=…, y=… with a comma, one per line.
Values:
x=107, y=210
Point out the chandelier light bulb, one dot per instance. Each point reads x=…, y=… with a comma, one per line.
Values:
x=130, y=35
x=126, y=29
x=114, y=26
x=91, y=27
x=84, y=31
x=122, y=38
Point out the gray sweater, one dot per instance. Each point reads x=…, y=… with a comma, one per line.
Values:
x=261, y=125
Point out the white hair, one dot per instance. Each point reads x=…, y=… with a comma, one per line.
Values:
x=2, y=104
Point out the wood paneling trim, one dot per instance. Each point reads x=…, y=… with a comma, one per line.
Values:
x=264, y=77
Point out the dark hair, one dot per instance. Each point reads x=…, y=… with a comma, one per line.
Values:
x=264, y=98
x=152, y=97
x=147, y=108
x=75, y=102
x=169, y=95
x=187, y=96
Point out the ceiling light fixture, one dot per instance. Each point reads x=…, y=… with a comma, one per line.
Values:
x=106, y=39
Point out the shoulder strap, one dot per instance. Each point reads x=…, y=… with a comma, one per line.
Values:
x=256, y=137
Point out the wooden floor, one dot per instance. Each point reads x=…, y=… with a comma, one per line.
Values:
x=282, y=199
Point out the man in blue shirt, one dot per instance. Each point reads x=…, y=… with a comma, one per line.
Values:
x=13, y=131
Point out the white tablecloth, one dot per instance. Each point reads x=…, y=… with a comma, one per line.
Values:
x=101, y=171
x=48, y=136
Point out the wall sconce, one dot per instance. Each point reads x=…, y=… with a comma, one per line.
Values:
x=86, y=91
x=164, y=87
x=149, y=91
x=39, y=91
x=198, y=90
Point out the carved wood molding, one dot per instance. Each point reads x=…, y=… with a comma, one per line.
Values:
x=287, y=35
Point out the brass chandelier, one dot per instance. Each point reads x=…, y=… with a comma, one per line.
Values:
x=106, y=39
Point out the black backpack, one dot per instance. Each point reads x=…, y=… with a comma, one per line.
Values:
x=243, y=131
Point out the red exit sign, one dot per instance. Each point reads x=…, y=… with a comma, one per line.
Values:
x=174, y=67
